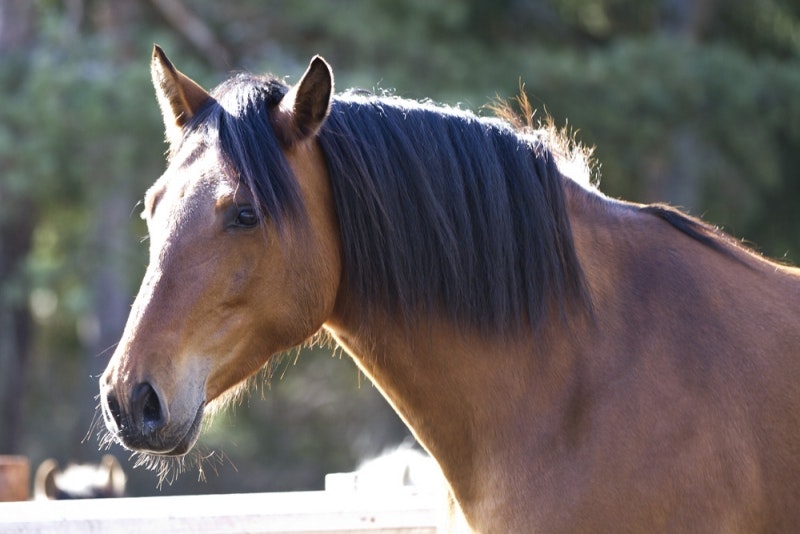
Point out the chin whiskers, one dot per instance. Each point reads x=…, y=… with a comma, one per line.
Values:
x=168, y=468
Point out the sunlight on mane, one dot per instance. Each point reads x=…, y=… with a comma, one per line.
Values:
x=575, y=160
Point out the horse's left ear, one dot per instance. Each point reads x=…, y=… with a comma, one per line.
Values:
x=179, y=96
x=305, y=107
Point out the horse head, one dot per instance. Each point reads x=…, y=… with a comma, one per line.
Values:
x=227, y=285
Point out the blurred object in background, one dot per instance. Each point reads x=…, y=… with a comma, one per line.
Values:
x=79, y=481
x=403, y=466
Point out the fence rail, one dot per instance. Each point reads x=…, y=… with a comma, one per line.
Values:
x=319, y=512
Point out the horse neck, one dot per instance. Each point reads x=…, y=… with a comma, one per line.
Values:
x=462, y=394
x=495, y=412
x=466, y=396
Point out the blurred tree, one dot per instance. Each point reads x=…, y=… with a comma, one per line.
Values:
x=195, y=30
x=67, y=192
x=17, y=222
x=701, y=126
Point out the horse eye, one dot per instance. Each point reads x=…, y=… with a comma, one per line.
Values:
x=246, y=217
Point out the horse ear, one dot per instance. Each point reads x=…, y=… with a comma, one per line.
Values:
x=306, y=106
x=179, y=96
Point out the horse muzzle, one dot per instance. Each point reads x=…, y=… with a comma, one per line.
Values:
x=140, y=420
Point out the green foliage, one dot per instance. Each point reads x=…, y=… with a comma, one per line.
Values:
x=77, y=134
x=706, y=127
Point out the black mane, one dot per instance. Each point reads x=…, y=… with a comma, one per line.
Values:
x=440, y=211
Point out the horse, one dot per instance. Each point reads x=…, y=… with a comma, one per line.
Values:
x=572, y=362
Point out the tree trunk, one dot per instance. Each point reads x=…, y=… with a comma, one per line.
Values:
x=16, y=233
x=15, y=329
x=669, y=172
x=194, y=30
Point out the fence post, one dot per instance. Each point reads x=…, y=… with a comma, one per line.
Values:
x=14, y=478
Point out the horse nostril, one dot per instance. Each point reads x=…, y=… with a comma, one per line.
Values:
x=146, y=406
x=111, y=408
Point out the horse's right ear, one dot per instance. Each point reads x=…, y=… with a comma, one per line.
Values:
x=305, y=107
x=179, y=96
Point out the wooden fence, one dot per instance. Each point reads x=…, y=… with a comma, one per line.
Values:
x=370, y=501
x=401, y=511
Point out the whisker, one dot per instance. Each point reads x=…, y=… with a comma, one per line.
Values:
x=168, y=468
x=93, y=424
x=138, y=204
x=105, y=351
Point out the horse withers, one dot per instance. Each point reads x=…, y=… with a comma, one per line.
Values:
x=572, y=362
